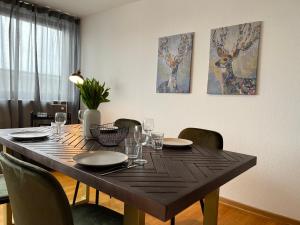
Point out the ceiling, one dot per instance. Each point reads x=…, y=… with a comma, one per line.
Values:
x=81, y=8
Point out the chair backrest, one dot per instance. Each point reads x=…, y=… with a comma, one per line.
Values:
x=35, y=195
x=204, y=138
x=128, y=123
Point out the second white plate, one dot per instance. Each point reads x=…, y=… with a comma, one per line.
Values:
x=100, y=158
x=25, y=135
x=177, y=142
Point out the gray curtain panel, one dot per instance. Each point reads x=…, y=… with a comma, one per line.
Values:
x=39, y=49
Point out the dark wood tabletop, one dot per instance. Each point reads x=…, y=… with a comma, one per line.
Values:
x=172, y=180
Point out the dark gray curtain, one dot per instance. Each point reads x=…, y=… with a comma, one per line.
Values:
x=39, y=49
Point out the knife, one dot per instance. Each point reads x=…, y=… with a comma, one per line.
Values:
x=120, y=169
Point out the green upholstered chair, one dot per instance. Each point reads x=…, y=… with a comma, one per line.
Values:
x=7, y=216
x=121, y=123
x=3, y=191
x=5, y=200
x=37, y=198
x=204, y=138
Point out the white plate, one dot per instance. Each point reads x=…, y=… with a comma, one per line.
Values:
x=25, y=135
x=100, y=158
x=177, y=142
x=109, y=128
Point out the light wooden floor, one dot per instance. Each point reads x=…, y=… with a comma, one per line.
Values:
x=191, y=216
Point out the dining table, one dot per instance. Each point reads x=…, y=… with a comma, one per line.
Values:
x=171, y=180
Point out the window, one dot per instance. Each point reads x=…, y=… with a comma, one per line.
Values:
x=34, y=54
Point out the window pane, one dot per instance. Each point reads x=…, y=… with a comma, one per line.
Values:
x=4, y=59
x=26, y=60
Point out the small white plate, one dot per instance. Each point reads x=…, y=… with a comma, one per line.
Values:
x=109, y=128
x=177, y=142
x=25, y=135
x=100, y=158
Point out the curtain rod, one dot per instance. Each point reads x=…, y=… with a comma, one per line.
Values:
x=42, y=8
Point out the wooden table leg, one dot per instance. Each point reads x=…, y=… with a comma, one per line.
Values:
x=85, y=198
x=6, y=150
x=133, y=216
x=7, y=214
x=211, y=206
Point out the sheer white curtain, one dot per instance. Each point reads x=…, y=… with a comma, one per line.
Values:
x=4, y=58
x=39, y=49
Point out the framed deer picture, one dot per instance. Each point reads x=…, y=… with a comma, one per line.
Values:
x=174, y=63
x=233, y=59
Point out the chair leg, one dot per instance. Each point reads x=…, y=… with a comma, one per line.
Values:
x=7, y=215
x=173, y=221
x=202, y=206
x=75, y=193
x=97, y=197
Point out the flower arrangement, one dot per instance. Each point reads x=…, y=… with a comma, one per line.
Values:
x=93, y=93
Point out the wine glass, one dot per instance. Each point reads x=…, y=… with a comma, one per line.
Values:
x=80, y=116
x=138, y=134
x=148, y=126
x=60, y=120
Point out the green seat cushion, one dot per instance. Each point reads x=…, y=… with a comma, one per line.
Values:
x=90, y=214
x=3, y=191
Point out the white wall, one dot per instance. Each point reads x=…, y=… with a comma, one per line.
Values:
x=120, y=48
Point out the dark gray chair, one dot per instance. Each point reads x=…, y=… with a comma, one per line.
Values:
x=204, y=138
x=121, y=123
x=126, y=123
x=37, y=198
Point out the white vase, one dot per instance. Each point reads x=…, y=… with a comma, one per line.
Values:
x=90, y=117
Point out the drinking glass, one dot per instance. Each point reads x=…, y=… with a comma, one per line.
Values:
x=148, y=126
x=138, y=135
x=53, y=128
x=131, y=149
x=60, y=120
x=157, y=140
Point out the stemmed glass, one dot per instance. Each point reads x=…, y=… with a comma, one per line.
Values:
x=148, y=126
x=60, y=120
x=138, y=135
x=80, y=115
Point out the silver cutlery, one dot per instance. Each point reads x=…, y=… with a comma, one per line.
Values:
x=120, y=169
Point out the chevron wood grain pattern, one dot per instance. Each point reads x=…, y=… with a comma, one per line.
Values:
x=172, y=180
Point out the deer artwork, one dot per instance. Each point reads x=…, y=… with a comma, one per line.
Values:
x=247, y=35
x=173, y=61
